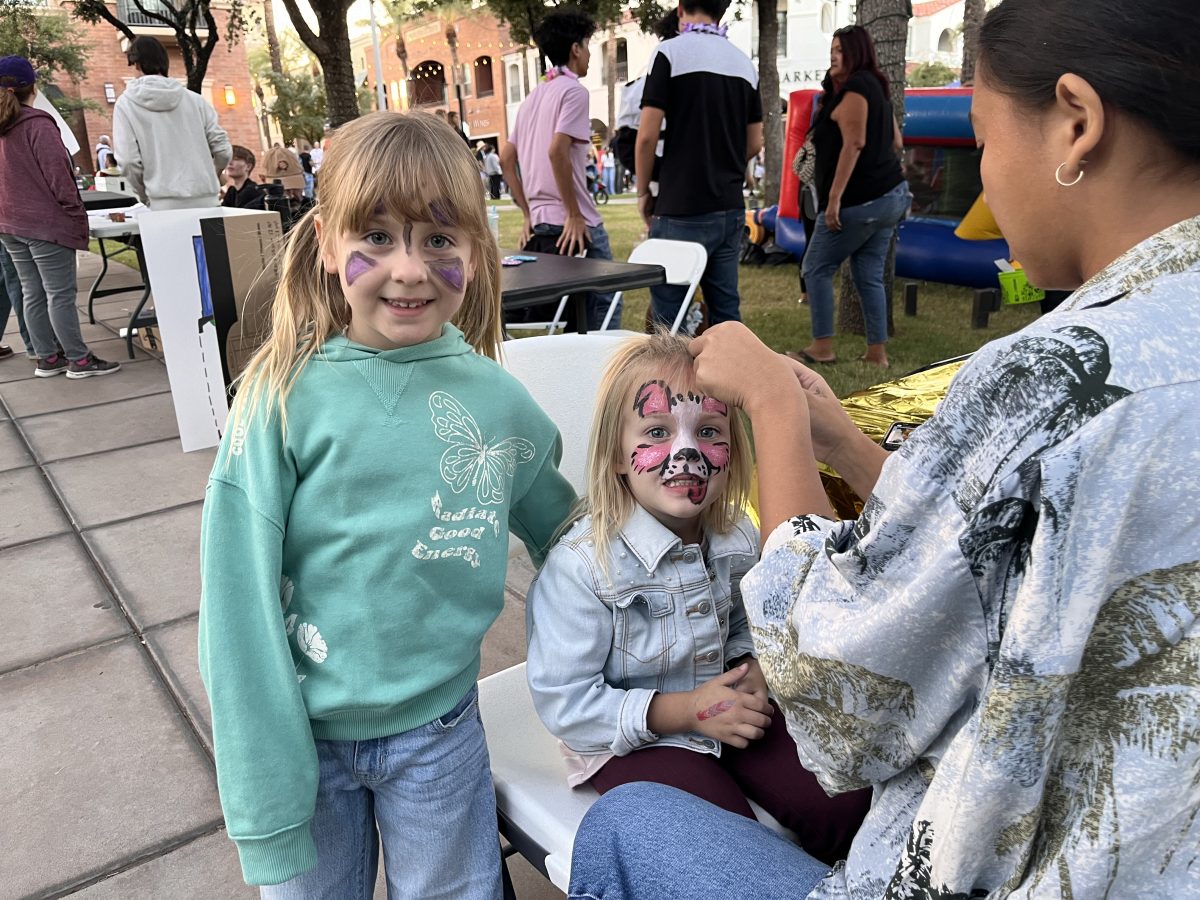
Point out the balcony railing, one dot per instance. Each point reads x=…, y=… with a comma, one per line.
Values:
x=129, y=13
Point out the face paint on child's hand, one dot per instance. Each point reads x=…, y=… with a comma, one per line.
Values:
x=450, y=271
x=357, y=264
x=715, y=710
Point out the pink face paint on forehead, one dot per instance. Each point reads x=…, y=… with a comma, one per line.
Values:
x=450, y=271
x=712, y=405
x=653, y=398
x=357, y=264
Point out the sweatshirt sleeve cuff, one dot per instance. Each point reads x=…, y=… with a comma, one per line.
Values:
x=632, y=730
x=278, y=858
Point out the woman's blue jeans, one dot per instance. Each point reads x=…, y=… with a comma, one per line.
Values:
x=10, y=298
x=646, y=841
x=427, y=793
x=866, y=233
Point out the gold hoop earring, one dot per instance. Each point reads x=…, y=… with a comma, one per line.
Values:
x=1078, y=178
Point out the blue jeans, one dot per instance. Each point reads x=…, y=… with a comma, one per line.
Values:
x=866, y=233
x=721, y=235
x=598, y=248
x=650, y=841
x=10, y=298
x=47, y=274
x=427, y=793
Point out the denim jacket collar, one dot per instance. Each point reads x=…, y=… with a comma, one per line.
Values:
x=649, y=540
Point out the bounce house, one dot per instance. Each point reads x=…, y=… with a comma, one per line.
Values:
x=942, y=166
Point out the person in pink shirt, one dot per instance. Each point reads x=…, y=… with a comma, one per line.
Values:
x=549, y=143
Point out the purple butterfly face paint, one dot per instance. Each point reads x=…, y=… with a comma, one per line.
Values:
x=357, y=264
x=676, y=453
x=450, y=271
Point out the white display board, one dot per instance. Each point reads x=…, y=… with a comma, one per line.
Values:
x=170, y=239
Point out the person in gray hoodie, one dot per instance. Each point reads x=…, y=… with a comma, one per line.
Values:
x=168, y=140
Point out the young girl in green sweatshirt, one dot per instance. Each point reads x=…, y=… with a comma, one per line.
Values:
x=355, y=533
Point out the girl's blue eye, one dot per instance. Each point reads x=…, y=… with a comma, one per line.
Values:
x=709, y=431
x=377, y=238
x=657, y=432
x=440, y=242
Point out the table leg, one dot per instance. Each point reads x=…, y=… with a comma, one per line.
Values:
x=135, y=319
x=581, y=311
x=96, y=283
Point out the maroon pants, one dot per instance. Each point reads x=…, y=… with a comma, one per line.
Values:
x=768, y=772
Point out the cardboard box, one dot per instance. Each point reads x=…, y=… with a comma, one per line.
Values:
x=150, y=338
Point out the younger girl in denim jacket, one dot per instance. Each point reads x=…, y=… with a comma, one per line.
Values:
x=640, y=655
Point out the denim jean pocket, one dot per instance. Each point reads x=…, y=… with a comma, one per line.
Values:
x=464, y=708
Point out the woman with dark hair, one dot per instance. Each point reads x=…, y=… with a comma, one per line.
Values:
x=1006, y=644
x=861, y=193
x=42, y=224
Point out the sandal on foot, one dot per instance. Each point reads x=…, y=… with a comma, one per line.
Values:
x=802, y=356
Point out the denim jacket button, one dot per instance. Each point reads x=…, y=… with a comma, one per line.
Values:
x=690, y=556
x=704, y=608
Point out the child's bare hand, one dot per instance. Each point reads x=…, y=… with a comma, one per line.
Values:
x=730, y=716
x=753, y=682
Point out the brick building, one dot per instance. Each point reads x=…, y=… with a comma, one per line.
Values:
x=424, y=78
x=227, y=84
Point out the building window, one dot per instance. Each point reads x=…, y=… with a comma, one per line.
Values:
x=622, y=61
x=427, y=84
x=781, y=21
x=946, y=42
x=908, y=45
x=485, y=86
x=514, y=83
x=781, y=18
x=827, y=23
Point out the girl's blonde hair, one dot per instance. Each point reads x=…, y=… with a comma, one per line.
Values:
x=412, y=166
x=608, y=499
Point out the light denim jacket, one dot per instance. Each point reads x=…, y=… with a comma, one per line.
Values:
x=599, y=651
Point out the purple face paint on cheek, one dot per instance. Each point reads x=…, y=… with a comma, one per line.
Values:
x=356, y=265
x=451, y=272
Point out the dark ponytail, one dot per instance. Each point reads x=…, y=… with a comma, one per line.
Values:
x=11, y=100
x=1141, y=58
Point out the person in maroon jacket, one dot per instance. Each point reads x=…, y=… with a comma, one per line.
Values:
x=42, y=224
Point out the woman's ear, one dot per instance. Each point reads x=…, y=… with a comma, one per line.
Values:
x=328, y=252
x=1077, y=122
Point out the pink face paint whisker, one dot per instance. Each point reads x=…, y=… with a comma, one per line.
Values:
x=357, y=264
x=451, y=272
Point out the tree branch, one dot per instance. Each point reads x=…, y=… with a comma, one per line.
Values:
x=312, y=41
x=98, y=10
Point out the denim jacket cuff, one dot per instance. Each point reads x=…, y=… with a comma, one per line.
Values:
x=739, y=647
x=632, y=731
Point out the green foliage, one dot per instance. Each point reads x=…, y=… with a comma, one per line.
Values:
x=931, y=74
x=299, y=105
x=48, y=39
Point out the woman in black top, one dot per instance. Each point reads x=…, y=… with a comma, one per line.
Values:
x=861, y=192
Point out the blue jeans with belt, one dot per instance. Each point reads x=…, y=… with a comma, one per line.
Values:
x=721, y=235
x=10, y=298
x=598, y=248
x=864, y=238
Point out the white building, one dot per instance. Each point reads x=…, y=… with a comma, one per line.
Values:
x=935, y=33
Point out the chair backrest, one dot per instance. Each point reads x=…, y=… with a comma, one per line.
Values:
x=683, y=260
x=562, y=373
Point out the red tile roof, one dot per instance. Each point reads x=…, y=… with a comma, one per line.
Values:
x=933, y=6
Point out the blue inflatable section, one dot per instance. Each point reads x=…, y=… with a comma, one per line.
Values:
x=938, y=118
x=926, y=250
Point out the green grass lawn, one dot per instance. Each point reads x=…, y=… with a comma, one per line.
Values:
x=941, y=329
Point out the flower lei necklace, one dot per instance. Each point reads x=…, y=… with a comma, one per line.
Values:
x=706, y=28
x=555, y=71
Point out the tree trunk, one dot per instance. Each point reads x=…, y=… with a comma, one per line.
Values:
x=331, y=46
x=610, y=68
x=768, y=89
x=268, y=9
x=887, y=22
x=973, y=12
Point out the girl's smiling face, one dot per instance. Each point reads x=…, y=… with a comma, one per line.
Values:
x=675, y=448
x=402, y=280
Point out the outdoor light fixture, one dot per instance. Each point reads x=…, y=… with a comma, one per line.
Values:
x=230, y=96
x=110, y=93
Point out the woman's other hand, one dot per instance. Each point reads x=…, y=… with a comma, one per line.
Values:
x=829, y=423
x=833, y=214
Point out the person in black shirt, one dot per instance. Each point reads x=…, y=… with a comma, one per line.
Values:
x=240, y=191
x=861, y=192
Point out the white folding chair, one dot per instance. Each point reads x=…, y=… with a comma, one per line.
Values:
x=684, y=262
x=539, y=814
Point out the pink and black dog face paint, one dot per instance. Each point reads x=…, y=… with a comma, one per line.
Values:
x=693, y=456
x=357, y=264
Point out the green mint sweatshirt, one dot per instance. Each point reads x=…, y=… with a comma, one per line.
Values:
x=351, y=568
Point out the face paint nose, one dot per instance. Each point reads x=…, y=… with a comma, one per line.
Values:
x=688, y=454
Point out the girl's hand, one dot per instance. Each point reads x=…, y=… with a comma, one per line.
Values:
x=735, y=366
x=753, y=682
x=728, y=715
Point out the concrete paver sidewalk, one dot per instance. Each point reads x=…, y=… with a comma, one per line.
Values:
x=105, y=749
